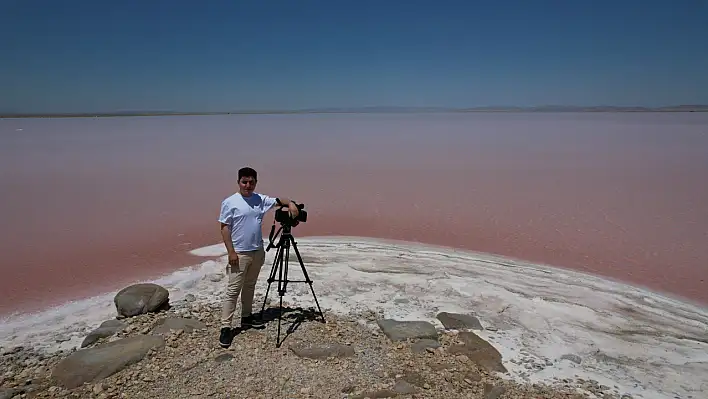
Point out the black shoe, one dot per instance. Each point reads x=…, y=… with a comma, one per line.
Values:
x=251, y=322
x=226, y=337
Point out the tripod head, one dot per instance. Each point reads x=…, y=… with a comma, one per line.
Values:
x=283, y=216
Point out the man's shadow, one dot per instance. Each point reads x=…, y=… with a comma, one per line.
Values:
x=295, y=316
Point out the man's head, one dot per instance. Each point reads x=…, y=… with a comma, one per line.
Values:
x=247, y=179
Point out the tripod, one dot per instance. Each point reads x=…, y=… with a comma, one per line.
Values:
x=280, y=266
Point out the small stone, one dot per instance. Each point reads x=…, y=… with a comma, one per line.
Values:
x=404, y=387
x=493, y=392
x=573, y=358
x=98, y=388
x=222, y=358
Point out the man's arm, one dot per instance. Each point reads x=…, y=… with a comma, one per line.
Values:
x=226, y=236
x=225, y=219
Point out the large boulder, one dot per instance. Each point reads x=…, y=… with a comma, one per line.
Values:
x=141, y=298
x=164, y=326
x=478, y=351
x=94, y=364
x=397, y=330
x=458, y=321
x=105, y=330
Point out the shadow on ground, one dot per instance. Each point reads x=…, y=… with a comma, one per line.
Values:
x=294, y=316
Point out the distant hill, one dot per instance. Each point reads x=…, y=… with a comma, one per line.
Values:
x=376, y=109
x=597, y=108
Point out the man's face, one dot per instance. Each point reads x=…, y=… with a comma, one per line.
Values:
x=246, y=185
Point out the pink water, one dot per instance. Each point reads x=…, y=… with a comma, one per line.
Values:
x=90, y=204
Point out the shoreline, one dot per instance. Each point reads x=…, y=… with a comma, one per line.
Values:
x=211, y=252
x=194, y=257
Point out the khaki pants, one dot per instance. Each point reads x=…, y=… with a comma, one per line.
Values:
x=241, y=280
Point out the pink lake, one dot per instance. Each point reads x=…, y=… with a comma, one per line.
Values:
x=89, y=204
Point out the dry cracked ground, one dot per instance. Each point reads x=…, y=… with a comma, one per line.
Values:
x=174, y=353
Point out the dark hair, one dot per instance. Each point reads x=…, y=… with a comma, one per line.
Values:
x=247, y=172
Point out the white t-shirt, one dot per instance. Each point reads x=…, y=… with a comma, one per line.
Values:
x=244, y=216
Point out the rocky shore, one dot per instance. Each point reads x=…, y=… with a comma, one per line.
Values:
x=154, y=349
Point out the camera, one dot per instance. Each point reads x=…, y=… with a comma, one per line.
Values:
x=283, y=216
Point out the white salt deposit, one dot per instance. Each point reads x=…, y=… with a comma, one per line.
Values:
x=547, y=323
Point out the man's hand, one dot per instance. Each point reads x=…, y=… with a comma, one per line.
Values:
x=293, y=209
x=233, y=259
x=226, y=236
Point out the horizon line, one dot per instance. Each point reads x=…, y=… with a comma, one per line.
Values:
x=370, y=109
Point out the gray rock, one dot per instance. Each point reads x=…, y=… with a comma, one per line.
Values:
x=141, y=298
x=491, y=392
x=177, y=323
x=8, y=393
x=224, y=357
x=459, y=321
x=473, y=376
x=478, y=351
x=416, y=379
x=105, y=330
x=112, y=323
x=94, y=364
x=321, y=351
x=572, y=358
x=404, y=387
x=12, y=351
x=421, y=345
x=402, y=330
x=379, y=394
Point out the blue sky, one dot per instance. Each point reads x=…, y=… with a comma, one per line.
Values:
x=219, y=55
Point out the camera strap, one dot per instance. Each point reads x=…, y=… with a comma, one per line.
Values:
x=272, y=236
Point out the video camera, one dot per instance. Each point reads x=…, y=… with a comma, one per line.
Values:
x=283, y=216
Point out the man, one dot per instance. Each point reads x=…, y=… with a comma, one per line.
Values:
x=241, y=219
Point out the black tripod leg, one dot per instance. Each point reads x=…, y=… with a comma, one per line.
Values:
x=280, y=315
x=307, y=277
x=284, y=256
x=271, y=278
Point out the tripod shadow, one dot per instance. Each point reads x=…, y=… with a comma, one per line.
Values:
x=296, y=316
